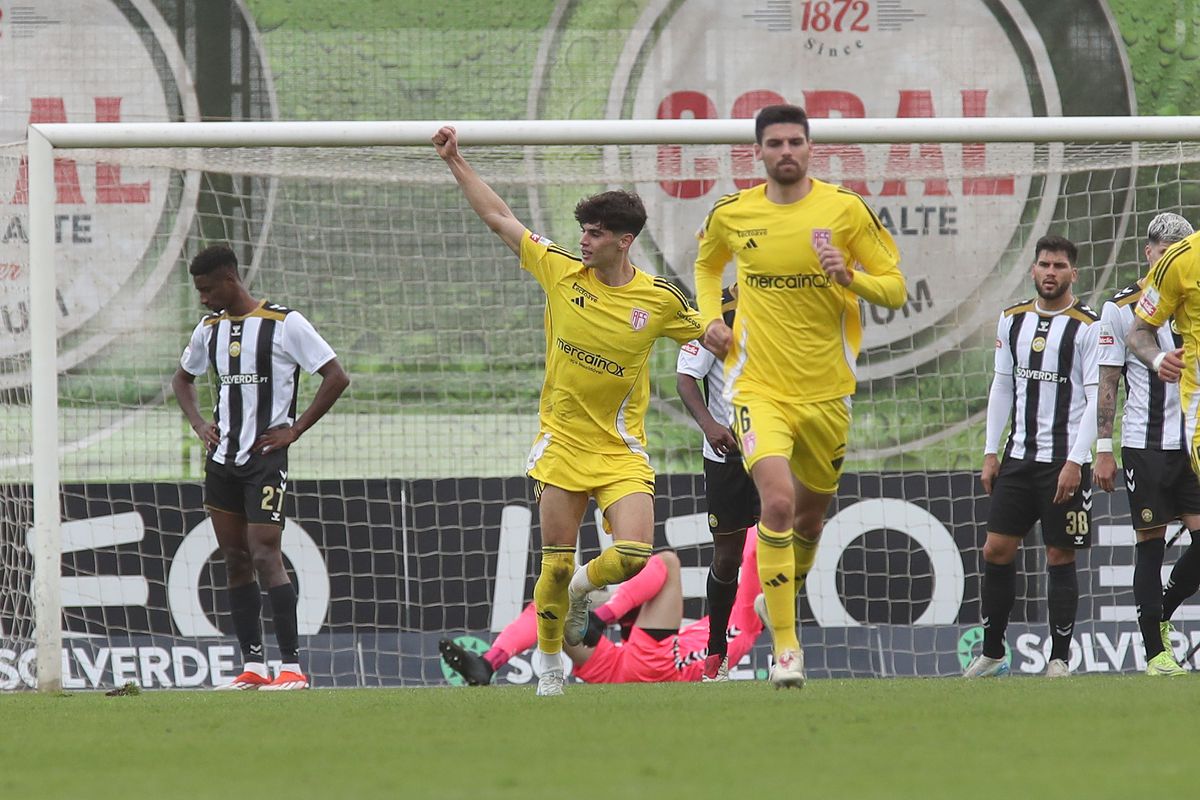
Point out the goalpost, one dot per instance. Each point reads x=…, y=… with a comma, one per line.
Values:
x=966, y=198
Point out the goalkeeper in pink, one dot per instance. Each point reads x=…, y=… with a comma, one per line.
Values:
x=653, y=648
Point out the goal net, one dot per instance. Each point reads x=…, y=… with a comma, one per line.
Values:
x=409, y=518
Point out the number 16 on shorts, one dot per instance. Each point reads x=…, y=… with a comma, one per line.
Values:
x=741, y=420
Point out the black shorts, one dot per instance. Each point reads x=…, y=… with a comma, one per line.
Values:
x=1161, y=484
x=732, y=499
x=1024, y=494
x=254, y=490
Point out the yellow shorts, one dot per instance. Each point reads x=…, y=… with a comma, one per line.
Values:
x=603, y=476
x=811, y=436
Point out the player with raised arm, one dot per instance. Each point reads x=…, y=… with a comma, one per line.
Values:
x=1160, y=482
x=1172, y=290
x=602, y=318
x=807, y=252
x=1046, y=371
x=732, y=500
x=256, y=350
x=654, y=648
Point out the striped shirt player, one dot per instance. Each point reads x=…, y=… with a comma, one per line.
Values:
x=256, y=358
x=730, y=494
x=1044, y=389
x=255, y=350
x=1154, y=453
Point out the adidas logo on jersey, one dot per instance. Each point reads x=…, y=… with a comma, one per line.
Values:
x=579, y=301
x=751, y=244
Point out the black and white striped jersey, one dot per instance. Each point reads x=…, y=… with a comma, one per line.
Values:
x=1152, y=418
x=1050, y=359
x=257, y=360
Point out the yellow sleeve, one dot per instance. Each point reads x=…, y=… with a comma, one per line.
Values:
x=681, y=321
x=1163, y=290
x=880, y=280
x=711, y=257
x=542, y=258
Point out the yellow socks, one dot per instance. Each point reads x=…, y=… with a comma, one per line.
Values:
x=804, y=551
x=550, y=595
x=777, y=571
x=618, y=563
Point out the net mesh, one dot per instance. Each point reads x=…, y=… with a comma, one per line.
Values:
x=408, y=517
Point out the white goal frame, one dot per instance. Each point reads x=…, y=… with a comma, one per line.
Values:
x=45, y=139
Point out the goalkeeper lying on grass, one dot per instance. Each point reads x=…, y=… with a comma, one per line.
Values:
x=653, y=648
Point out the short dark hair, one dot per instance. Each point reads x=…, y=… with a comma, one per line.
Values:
x=618, y=211
x=773, y=115
x=1057, y=244
x=212, y=258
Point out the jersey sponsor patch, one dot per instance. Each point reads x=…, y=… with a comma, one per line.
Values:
x=821, y=236
x=692, y=349
x=1148, y=305
x=999, y=344
x=536, y=239
x=1106, y=335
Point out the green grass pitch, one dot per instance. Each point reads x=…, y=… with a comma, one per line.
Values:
x=1085, y=737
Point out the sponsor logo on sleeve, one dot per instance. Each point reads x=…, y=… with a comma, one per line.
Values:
x=692, y=349
x=1106, y=335
x=536, y=239
x=1148, y=305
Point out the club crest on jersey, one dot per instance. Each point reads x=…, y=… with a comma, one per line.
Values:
x=1147, y=515
x=1039, y=344
x=821, y=236
x=235, y=349
x=638, y=319
x=749, y=441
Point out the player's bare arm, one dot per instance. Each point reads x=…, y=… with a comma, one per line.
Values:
x=991, y=468
x=1143, y=342
x=483, y=199
x=184, y=385
x=334, y=381
x=1105, y=469
x=721, y=438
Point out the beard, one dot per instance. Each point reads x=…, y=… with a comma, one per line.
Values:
x=787, y=177
x=1053, y=294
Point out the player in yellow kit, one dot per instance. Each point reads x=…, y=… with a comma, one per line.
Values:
x=1172, y=289
x=602, y=318
x=807, y=251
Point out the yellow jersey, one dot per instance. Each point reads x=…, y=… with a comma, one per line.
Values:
x=1171, y=289
x=598, y=343
x=797, y=333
